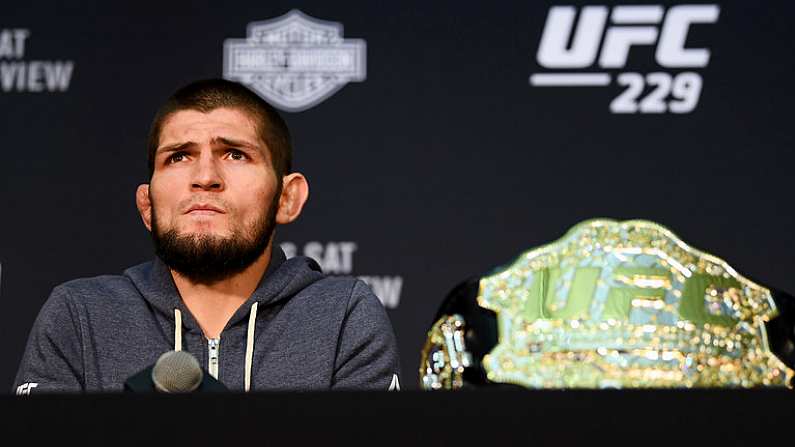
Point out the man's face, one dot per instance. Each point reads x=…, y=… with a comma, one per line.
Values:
x=214, y=193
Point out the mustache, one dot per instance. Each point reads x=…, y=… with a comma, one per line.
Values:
x=184, y=205
x=215, y=202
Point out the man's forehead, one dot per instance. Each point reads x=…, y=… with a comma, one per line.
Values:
x=197, y=126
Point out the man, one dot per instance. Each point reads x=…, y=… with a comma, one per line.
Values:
x=219, y=161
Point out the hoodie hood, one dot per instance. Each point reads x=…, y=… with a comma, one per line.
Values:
x=282, y=279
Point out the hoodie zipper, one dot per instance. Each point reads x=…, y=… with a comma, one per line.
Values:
x=213, y=346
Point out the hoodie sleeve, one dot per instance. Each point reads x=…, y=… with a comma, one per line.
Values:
x=52, y=362
x=367, y=357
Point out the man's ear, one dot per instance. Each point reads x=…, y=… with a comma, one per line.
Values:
x=144, y=204
x=295, y=192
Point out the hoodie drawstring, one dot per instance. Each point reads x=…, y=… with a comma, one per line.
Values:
x=252, y=322
x=177, y=330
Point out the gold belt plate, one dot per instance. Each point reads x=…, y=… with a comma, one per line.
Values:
x=628, y=304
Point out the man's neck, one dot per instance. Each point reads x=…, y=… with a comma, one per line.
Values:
x=212, y=305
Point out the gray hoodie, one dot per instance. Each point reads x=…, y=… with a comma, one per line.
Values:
x=299, y=330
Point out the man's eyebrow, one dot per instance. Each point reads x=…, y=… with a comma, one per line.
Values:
x=236, y=143
x=174, y=147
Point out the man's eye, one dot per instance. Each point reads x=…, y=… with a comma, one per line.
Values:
x=235, y=154
x=176, y=157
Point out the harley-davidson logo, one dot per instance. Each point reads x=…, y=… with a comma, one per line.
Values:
x=295, y=61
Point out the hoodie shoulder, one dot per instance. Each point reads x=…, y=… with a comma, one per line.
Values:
x=104, y=287
x=96, y=284
x=335, y=286
x=367, y=356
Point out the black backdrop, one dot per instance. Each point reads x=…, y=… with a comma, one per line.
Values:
x=442, y=164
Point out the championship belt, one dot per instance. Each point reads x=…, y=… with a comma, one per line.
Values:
x=612, y=305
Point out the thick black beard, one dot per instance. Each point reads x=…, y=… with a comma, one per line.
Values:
x=208, y=259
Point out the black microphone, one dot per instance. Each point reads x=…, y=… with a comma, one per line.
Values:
x=174, y=372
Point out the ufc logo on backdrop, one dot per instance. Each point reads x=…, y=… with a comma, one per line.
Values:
x=601, y=37
x=25, y=388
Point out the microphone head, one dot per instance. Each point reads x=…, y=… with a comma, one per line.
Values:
x=177, y=372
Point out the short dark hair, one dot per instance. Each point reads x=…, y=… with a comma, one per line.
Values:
x=210, y=94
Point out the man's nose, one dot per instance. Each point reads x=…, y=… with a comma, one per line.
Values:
x=207, y=174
